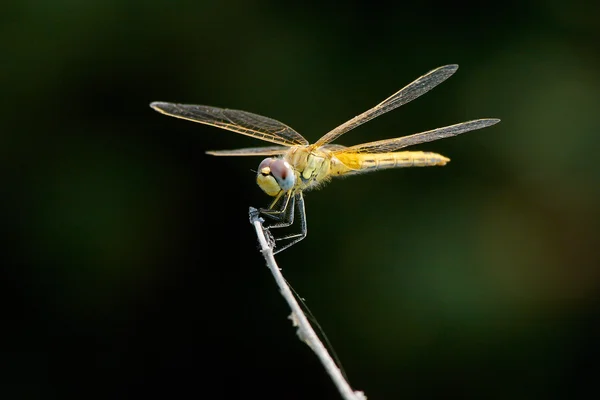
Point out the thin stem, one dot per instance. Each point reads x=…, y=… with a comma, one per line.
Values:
x=305, y=330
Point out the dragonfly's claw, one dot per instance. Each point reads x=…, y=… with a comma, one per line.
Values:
x=255, y=215
x=270, y=213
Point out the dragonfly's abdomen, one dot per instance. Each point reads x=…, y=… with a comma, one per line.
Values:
x=357, y=163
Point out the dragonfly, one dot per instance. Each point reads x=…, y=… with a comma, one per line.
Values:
x=294, y=166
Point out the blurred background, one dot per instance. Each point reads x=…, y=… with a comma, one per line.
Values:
x=129, y=264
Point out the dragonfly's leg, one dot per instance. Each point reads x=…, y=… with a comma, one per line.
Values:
x=284, y=216
x=296, y=237
x=254, y=215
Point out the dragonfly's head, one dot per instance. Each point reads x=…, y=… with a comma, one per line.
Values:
x=275, y=175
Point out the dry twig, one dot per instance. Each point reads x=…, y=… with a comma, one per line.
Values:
x=305, y=331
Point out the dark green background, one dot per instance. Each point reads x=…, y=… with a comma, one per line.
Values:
x=130, y=266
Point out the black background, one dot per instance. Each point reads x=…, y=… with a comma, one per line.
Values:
x=130, y=267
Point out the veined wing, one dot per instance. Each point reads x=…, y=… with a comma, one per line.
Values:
x=389, y=145
x=251, y=151
x=265, y=151
x=243, y=122
x=408, y=93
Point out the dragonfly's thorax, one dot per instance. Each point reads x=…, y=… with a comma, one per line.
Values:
x=312, y=167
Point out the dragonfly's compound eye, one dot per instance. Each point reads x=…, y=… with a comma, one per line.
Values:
x=275, y=175
x=265, y=166
x=283, y=173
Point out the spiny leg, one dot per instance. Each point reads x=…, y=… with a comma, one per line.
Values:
x=254, y=215
x=295, y=237
x=284, y=216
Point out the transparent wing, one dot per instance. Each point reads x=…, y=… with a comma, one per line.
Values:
x=408, y=93
x=334, y=147
x=265, y=151
x=243, y=122
x=389, y=145
x=251, y=151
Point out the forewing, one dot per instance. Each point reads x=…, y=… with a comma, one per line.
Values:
x=408, y=93
x=389, y=145
x=243, y=122
x=251, y=151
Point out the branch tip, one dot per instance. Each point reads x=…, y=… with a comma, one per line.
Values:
x=305, y=331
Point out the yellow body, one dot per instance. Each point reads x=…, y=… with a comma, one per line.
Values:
x=314, y=167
